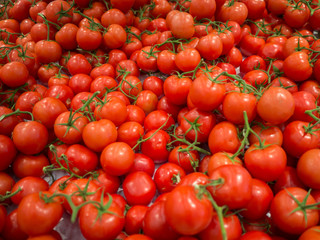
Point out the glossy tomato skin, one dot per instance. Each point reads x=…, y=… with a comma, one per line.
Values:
x=117, y=158
x=266, y=164
x=99, y=134
x=32, y=209
x=8, y=152
x=307, y=168
x=296, y=140
x=168, y=176
x=11, y=230
x=276, y=105
x=155, y=223
x=259, y=204
x=181, y=204
x=155, y=146
x=293, y=222
x=81, y=159
x=30, y=137
x=255, y=235
x=311, y=233
x=28, y=185
x=138, y=188
x=107, y=226
x=231, y=224
x=134, y=219
x=29, y=165
x=236, y=189
x=229, y=143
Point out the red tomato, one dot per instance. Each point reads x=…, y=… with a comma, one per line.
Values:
x=138, y=188
x=99, y=134
x=117, y=158
x=34, y=210
x=30, y=137
x=8, y=152
x=288, y=216
x=185, y=212
x=307, y=168
x=236, y=189
x=276, y=105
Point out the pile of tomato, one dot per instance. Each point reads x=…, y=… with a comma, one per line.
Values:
x=160, y=119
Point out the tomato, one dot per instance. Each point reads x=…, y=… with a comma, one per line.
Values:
x=220, y=159
x=276, y=105
x=297, y=139
x=255, y=235
x=205, y=122
x=182, y=203
x=210, y=46
x=11, y=229
x=54, y=12
x=98, y=134
x=181, y=24
x=8, y=152
x=288, y=216
x=228, y=143
x=301, y=73
x=155, y=223
x=28, y=186
x=188, y=160
x=102, y=84
x=81, y=190
x=236, y=189
x=234, y=11
x=260, y=202
x=244, y=102
x=134, y=219
x=285, y=83
x=154, y=84
x=33, y=209
x=147, y=100
x=28, y=165
x=6, y=183
x=266, y=163
x=113, y=109
x=78, y=64
x=30, y=137
x=306, y=168
x=66, y=36
x=155, y=145
x=108, y=183
x=311, y=233
x=80, y=83
x=231, y=224
x=269, y=134
x=135, y=114
x=168, y=176
x=303, y=101
x=115, y=37
x=48, y=51
x=296, y=15
x=101, y=224
x=117, y=158
x=68, y=127
x=138, y=188
x=130, y=133
x=310, y=86
x=289, y=178
x=14, y=74
x=202, y=9
x=47, y=110
x=212, y=93
x=188, y=59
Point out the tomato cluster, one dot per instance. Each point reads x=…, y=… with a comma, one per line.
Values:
x=168, y=119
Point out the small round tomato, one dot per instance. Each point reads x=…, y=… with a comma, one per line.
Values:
x=235, y=190
x=99, y=134
x=8, y=152
x=33, y=209
x=228, y=143
x=30, y=137
x=276, y=105
x=290, y=217
x=14, y=74
x=186, y=213
x=117, y=158
x=29, y=165
x=134, y=219
x=138, y=188
x=307, y=168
